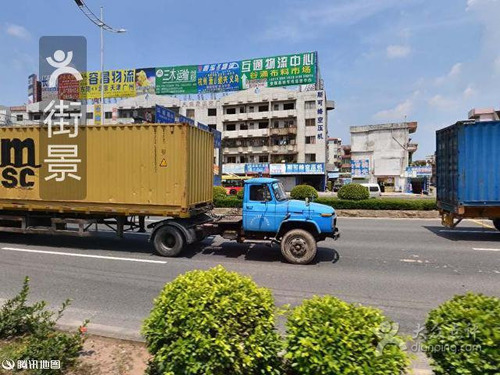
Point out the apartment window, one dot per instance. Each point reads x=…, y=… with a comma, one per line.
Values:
x=276, y=107
x=108, y=115
x=230, y=127
x=310, y=122
x=263, y=159
x=90, y=115
x=231, y=159
x=263, y=108
x=19, y=117
x=310, y=158
x=243, y=126
x=190, y=112
x=230, y=111
x=212, y=126
x=287, y=106
x=263, y=125
x=276, y=124
x=310, y=104
x=212, y=111
x=310, y=140
x=250, y=109
x=37, y=117
x=242, y=109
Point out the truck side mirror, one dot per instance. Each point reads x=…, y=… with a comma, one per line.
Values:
x=307, y=201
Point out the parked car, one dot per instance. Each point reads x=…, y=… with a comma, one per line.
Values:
x=373, y=189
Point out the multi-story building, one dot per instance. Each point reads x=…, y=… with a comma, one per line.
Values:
x=272, y=131
x=484, y=114
x=381, y=153
x=334, y=153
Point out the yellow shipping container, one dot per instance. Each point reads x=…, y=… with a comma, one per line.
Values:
x=147, y=169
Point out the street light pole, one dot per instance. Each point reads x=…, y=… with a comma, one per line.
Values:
x=99, y=21
x=102, y=65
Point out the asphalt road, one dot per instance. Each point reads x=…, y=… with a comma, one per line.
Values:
x=403, y=266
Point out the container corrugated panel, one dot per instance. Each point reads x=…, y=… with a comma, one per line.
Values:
x=468, y=164
x=148, y=169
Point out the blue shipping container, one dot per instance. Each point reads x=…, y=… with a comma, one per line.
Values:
x=468, y=165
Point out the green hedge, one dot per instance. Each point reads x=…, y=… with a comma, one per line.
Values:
x=219, y=192
x=380, y=204
x=328, y=336
x=354, y=192
x=464, y=334
x=213, y=322
x=303, y=191
x=368, y=204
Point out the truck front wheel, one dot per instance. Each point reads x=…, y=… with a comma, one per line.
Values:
x=496, y=223
x=298, y=246
x=168, y=241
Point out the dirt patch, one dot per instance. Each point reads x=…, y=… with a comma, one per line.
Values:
x=106, y=356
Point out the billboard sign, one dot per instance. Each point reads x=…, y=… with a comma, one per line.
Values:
x=145, y=81
x=233, y=168
x=418, y=171
x=285, y=70
x=257, y=168
x=176, y=80
x=187, y=120
x=68, y=87
x=164, y=115
x=360, y=168
x=117, y=84
x=218, y=77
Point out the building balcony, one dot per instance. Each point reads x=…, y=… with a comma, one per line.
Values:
x=284, y=113
x=255, y=133
x=284, y=149
x=245, y=150
x=412, y=147
x=283, y=131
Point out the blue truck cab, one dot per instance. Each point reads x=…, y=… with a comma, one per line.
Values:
x=296, y=225
x=267, y=215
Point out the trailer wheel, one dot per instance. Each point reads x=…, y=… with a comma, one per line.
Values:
x=298, y=246
x=168, y=241
x=496, y=223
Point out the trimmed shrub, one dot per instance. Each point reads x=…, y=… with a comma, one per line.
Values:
x=240, y=193
x=328, y=336
x=380, y=204
x=303, y=191
x=35, y=329
x=228, y=202
x=219, y=192
x=213, y=322
x=463, y=335
x=354, y=192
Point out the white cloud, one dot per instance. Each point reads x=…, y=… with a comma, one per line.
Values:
x=440, y=102
x=18, y=31
x=469, y=92
x=307, y=21
x=454, y=72
x=397, y=51
x=397, y=113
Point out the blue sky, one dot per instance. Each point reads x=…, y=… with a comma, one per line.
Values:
x=381, y=60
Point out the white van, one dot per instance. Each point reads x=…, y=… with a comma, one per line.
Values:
x=373, y=189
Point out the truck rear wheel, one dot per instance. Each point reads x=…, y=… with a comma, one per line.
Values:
x=496, y=223
x=168, y=241
x=298, y=246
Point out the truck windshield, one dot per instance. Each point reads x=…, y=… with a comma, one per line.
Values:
x=279, y=192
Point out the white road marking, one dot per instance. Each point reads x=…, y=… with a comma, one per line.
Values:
x=83, y=255
x=484, y=249
x=414, y=261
